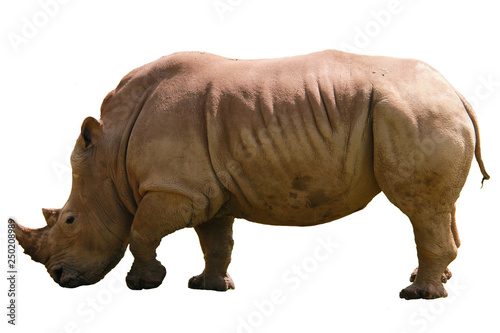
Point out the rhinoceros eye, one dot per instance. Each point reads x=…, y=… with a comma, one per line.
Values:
x=70, y=219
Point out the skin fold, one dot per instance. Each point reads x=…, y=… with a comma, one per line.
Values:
x=196, y=140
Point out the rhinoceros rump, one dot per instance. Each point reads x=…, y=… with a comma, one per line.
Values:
x=196, y=140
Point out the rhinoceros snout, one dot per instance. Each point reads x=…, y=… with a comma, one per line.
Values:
x=64, y=279
x=57, y=274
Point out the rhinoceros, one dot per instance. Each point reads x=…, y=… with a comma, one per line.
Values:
x=197, y=140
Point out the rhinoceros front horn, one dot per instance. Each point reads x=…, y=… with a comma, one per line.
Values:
x=32, y=240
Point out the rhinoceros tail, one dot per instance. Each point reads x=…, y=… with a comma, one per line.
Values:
x=473, y=118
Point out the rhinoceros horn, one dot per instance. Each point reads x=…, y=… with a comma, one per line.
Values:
x=34, y=240
x=50, y=215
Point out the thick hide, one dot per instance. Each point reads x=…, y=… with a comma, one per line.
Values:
x=196, y=140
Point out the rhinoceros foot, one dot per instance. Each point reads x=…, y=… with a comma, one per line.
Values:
x=215, y=282
x=444, y=278
x=425, y=291
x=145, y=275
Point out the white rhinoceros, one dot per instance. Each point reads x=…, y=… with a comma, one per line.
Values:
x=196, y=140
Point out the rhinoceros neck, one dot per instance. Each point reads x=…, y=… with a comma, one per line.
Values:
x=119, y=113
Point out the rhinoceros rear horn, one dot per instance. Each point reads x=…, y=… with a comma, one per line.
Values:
x=51, y=215
x=32, y=240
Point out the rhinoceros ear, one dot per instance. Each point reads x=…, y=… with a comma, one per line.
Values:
x=91, y=131
x=50, y=215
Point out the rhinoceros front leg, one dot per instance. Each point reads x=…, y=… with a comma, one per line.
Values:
x=216, y=240
x=158, y=215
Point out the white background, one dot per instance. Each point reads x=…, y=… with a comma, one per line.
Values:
x=60, y=73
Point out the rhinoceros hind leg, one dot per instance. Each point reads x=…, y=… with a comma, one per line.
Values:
x=435, y=250
x=423, y=150
x=216, y=240
x=447, y=273
x=211, y=282
x=444, y=278
x=425, y=291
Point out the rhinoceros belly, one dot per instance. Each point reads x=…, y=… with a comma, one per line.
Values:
x=299, y=189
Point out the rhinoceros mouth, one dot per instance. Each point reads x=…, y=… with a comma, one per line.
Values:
x=67, y=278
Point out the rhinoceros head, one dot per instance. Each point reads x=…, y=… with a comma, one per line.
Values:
x=86, y=238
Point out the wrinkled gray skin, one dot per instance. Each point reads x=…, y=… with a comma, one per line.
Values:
x=195, y=140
